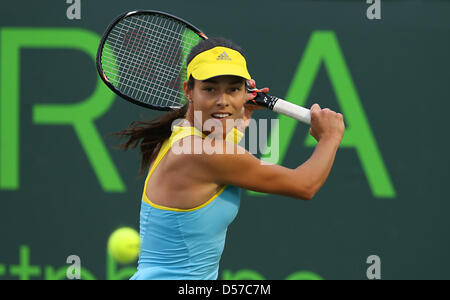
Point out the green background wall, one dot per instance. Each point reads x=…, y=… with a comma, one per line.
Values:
x=386, y=195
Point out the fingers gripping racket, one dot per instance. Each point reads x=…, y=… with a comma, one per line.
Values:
x=142, y=58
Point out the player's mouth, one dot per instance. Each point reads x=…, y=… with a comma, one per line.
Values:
x=220, y=115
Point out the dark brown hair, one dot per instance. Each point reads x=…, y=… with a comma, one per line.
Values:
x=149, y=135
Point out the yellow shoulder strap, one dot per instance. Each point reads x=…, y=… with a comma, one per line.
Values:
x=234, y=136
x=178, y=133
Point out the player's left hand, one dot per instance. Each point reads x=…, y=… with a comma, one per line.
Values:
x=248, y=108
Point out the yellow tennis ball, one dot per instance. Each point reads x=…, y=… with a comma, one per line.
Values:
x=123, y=245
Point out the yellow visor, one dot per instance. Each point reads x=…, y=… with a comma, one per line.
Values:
x=218, y=61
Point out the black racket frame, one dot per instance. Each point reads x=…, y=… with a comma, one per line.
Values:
x=105, y=36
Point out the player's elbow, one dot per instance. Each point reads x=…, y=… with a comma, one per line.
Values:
x=303, y=189
x=306, y=196
x=306, y=193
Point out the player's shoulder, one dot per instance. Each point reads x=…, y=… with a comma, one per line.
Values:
x=195, y=147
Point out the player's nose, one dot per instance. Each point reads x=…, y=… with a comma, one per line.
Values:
x=222, y=99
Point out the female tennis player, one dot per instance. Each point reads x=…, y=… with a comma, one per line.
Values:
x=191, y=197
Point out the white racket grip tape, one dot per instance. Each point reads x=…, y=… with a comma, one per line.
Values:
x=294, y=111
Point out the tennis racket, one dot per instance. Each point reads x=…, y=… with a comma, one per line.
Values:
x=142, y=58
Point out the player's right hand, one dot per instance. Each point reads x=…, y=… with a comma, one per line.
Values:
x=326, y=124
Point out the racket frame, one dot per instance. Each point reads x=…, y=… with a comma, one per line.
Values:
x=105, y=36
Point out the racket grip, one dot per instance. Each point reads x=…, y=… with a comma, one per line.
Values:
x=294, y=111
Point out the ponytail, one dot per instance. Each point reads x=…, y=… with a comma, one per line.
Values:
x=150, y=135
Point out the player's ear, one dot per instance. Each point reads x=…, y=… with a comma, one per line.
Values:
x=187, y=90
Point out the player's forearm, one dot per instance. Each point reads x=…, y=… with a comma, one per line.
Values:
x=317, y=168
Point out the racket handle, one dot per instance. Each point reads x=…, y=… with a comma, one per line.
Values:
x=291, y=110
x=281, y=106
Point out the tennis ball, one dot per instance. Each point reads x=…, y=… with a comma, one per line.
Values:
x=123, y=245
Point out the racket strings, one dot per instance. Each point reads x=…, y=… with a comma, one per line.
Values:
x=145, y=58
x=136, y=63
x=169, y=58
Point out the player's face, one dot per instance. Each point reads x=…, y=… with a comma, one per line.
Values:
x=217, y=100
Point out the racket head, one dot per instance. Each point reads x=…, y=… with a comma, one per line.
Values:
x=142, y=58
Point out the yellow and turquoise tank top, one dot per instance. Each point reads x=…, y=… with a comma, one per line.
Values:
x=185, y=243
